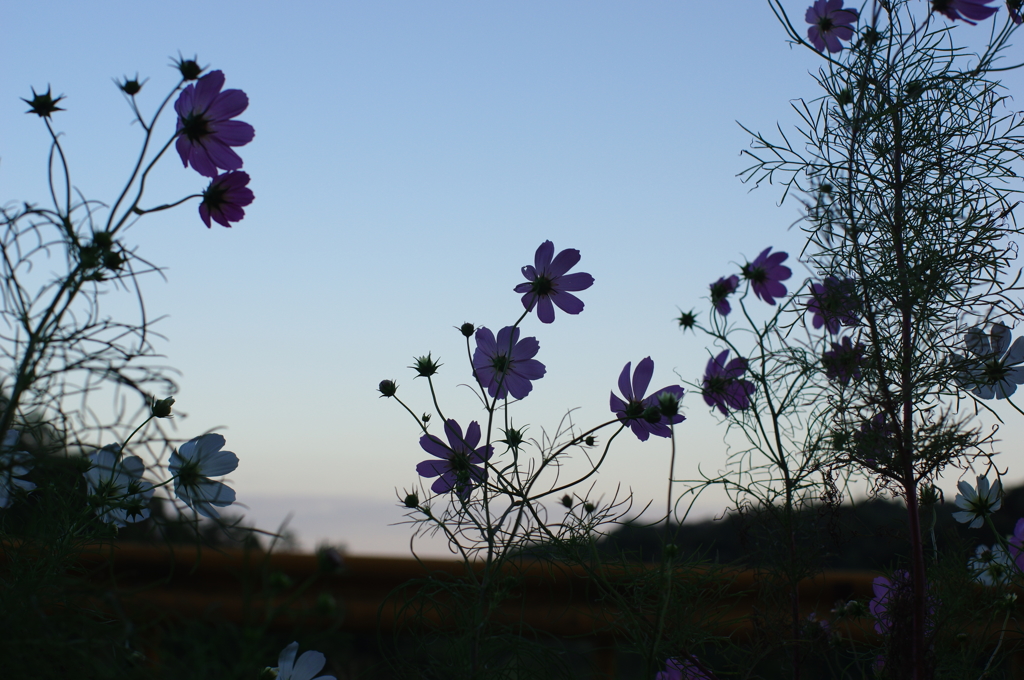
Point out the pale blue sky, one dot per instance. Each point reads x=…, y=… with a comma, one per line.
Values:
x=409, y=158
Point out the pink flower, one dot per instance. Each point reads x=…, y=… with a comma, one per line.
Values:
x=548, y=282
x=681, y=669
x=461, y=462
x=766, y=274
x=206, y=132
x=830, y=22
x=1016, y=543
x=965, y=10
x=224, y=198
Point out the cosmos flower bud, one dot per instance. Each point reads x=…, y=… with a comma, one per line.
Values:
x=43, y=104
x=113, y=260
x=929, y=495
x=467, y=329
x=668, y=404
x=130, y=87
x=425, y=418
x=425, y=366
x=411, y=500
x=162, y=407
x=513, y=438
x=687, y=320
x=387, y=388
x=326, y=604
x=103, y=240
x=279, y=580
x=330, y=559
x=567, y=501
x=652, y=414
x=590, y=441
x=589, y=507
x=189, y=68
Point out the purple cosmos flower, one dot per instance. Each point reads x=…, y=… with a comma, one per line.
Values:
x=681, y=669
x=506, y=366
x=964, y=10
x=876, y=440
x=893, y=603
x=1013, y=7
x=998, y=373
x=224, y=198
x=549, y=283
x=766, y=274
x=830, y=22
x=722, y=289
x=834, y=303
x=843, y=361
x=644, y=416
x=459, y=468
x=723, y=385
x=206, y=132
x=1016, y=543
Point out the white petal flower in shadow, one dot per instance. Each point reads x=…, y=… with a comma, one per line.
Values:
x=977, y=503
x=116, y=488
x=308, y=665
x=13, y=464
x=193, y=464
x=994, y=369
x=990, y=566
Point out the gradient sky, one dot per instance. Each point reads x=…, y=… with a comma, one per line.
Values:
x=409, y=158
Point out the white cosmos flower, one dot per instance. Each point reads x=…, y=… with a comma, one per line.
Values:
x=116, y=487
x=308, y=665
x=990, y=566
x=994, y=369
x=13, y=464
x=977, y=503
x=193, y=464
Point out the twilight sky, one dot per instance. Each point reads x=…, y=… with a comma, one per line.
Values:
x=409, y=158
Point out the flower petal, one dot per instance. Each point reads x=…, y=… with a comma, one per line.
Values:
x=642, y=377
x=563, y=262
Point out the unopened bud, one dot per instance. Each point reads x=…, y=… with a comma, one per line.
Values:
x=567, y=501
x=412, y=500
x=130, y=86
x=162, y=407
x=668, y=405
x=189, y=68
x=590, y=441
x=467, y=329
x=652, y=414
x=687, y=320
x=513, y=438
x=425, y=366
x=279, y=580
x=113, y=260
x=330, y=559
x=103, y=240
x=387, y=388
x=326, y=604
x=929, y=495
